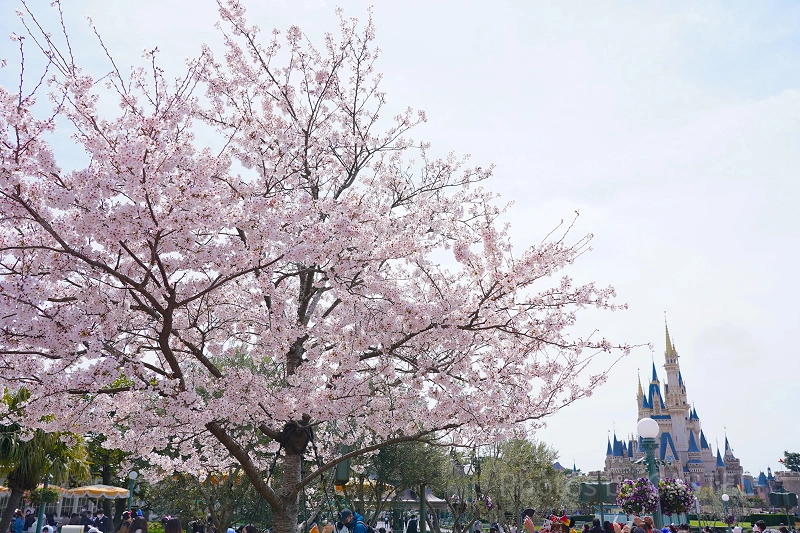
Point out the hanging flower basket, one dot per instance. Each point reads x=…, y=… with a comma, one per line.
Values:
x=676, y=496
x=637, y=497
x=42, y=495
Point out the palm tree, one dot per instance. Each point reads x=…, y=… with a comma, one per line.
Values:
x=27, y=457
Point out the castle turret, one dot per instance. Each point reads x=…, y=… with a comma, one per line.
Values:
x=694, y=420
x=695, y=464
x=618, y=447
x=703, y=441
x=654, y=399
x=642, y=407
x=719, y=474
x=676, y=389
x=675, y=396
x=733, y=467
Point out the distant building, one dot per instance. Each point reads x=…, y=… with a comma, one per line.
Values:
x=763, y=484
x=683, y=446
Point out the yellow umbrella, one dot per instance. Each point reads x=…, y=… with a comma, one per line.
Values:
x=98, y=491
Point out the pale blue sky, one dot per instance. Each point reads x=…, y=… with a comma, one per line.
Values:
x=671, y=126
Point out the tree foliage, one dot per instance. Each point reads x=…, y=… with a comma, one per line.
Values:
x=527, y=477
x=571, y=497
x=106, y=464
x=516, y=474
x=791, y=461
x=29, y=457
x=226, y=498
x=304, y=237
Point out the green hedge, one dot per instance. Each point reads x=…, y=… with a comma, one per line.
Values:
x=770, y=519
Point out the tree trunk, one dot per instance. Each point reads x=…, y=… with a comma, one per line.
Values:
x=12, y=505
x=284, y=519
x=120, y=506
x=433, y=525
x=106, y=477
x=221, y=520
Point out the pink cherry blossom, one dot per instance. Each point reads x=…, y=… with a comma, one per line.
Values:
x=197, y=298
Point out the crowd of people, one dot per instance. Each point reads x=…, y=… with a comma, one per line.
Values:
x=28, y=521
x=347, y=522
x=90, y=521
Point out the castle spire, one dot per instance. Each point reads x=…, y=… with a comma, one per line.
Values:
x=655, y=376
x=666, y=330
x=703, y=441
x=670, y=354
x=728, y=450
x=720, y=462
x=693, y=443
x=640, y=393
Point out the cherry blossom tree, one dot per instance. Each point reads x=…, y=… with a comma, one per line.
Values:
x=310, y=267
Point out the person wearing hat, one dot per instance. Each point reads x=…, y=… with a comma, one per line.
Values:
x=354, y=522
x=126, y=522
x=19, y=522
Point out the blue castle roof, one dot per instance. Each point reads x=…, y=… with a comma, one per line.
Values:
x=667, y=445
x=655, y=375
x=720, y=462
x=608, y=450
x=762, y=480
x=703, y=442
x=693, y=415
x=693, y=443
x=728, y=450
x=630, y=448
x=655, y=391
x=748, y=487
x=618, y=447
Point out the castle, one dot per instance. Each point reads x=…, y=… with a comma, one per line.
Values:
x=683, y=448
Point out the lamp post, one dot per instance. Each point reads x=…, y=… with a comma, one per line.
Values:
x=648, y=430
x=132, y=475
x=40, y=517
x=725, y=499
